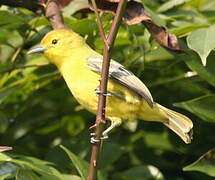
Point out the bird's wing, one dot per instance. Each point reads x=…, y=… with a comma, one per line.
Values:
x=118, y=73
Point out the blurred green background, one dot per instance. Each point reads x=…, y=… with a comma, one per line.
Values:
x=38, y=113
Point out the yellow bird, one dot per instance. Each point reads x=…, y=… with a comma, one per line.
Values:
x=127, y=97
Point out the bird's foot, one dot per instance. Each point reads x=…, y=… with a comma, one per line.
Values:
x=92, y=134
x=93, y=140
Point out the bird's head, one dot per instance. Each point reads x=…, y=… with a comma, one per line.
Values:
x=59, y=43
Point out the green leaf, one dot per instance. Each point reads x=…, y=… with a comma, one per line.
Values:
x=80, y=165
x=4, y=36
x=4, y=122
x=158, y=141
x=31, y=163
x=6, y=92
x=7, y=169
x=71, y=177
x=203, y=107
x=205, y=164
x=170, y=4
x=109, y=154
x=202, y=41
x=26, y=174
x=4, y=157
x=74, y=6
x=193, y=61
x=207, y=6
x=10, y=19
x=83, y=26
x=184, y=29
x=6, y=176
x=142, y=172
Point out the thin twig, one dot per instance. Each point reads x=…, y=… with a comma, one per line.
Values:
x=99, y=23
x=5, y=148
x=100, y=118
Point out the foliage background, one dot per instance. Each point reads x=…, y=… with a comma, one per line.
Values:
x=38, y=113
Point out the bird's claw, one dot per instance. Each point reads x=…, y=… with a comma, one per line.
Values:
x=93, y=140
x=92, y=134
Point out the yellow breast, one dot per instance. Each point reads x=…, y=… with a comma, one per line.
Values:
x=82, y=82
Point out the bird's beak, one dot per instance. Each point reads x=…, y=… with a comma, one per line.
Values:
x=37, y=49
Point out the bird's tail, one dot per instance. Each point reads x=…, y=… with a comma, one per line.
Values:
x=178, y=123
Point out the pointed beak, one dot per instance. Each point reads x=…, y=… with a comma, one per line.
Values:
x=37, y=49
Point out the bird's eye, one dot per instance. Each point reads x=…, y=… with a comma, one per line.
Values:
x=54, y=41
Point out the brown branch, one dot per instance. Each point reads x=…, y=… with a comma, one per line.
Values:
x=100, y=118
x=53, y=14
x=5, y=148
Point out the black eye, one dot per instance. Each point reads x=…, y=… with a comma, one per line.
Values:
x=54, y=41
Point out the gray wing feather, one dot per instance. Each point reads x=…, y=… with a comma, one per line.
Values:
x=118, y=73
